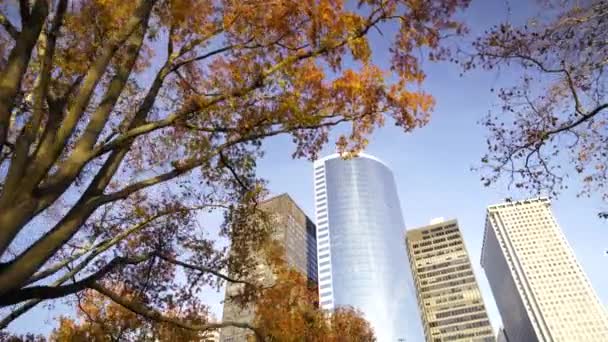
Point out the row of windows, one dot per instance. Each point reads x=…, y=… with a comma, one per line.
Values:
x=326, y=286
x=436, y=247
x=448, y=284
x=437, y=229
x=442, y=265
x=457, y=252
x=449, y=299
x=325, y=295
x=447, y=231
x=449, y=291
x=458, y=312
x=444, y=271
x=460, y=336
x=447, y=277
x=460, y=319
x=464, y=326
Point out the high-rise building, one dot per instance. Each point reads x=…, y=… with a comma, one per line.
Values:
x=362, y=262
x=501, y=337
x=293, y=230
x=449, y=299
x=540, y=289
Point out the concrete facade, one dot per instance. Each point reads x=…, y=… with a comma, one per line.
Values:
x=540, y=289
x=449, y=298
x=297, y=234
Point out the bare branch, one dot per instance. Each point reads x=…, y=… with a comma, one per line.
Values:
x=203, y=269
x=226, y=163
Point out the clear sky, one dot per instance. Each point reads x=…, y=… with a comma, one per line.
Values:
x=432, y=167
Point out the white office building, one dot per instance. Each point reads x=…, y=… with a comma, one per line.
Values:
x=540, y=289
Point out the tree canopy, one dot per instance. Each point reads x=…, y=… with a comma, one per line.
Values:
x=553, y=124
x=288, y=311
x=122, y=121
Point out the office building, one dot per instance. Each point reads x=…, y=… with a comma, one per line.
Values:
x=501, y=337
x=296, y=233
x=449, y=298
x=540, y=289
x=361, y=258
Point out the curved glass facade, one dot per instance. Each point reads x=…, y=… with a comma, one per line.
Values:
x=360, y=246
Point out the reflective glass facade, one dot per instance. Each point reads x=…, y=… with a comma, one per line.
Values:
x=362, y=261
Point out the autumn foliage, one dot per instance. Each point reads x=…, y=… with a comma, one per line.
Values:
x=99, y=319
x=289, y=311
x=122, y=123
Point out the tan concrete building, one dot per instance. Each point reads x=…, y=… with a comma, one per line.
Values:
x=449, y=299
x=540, y=289
x=293, y=230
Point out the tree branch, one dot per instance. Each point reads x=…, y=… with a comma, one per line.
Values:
x=51, y=148
x=71, y=167
x=226, y=163
x=10, y=29
x=46, y=51
x=24, y=11
x=50, y=292
x=202, y=269
x=191, y=164
x=16, y=67
x=98, y=249
x=258, y=83
x=154, y=315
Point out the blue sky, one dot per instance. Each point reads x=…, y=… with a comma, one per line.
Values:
x=432, y=167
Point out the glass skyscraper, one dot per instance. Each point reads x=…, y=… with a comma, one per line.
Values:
x=361, y=258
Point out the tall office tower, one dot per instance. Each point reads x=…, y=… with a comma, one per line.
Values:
x=296, y=233
x=501, y=337
x=540, y=289
x=449, y=299
x=360, y=254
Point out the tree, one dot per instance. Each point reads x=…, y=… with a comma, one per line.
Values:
x=7, y=337
x=122, y=121
x=99, y=319
x=288, y=311
x=558, y=113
